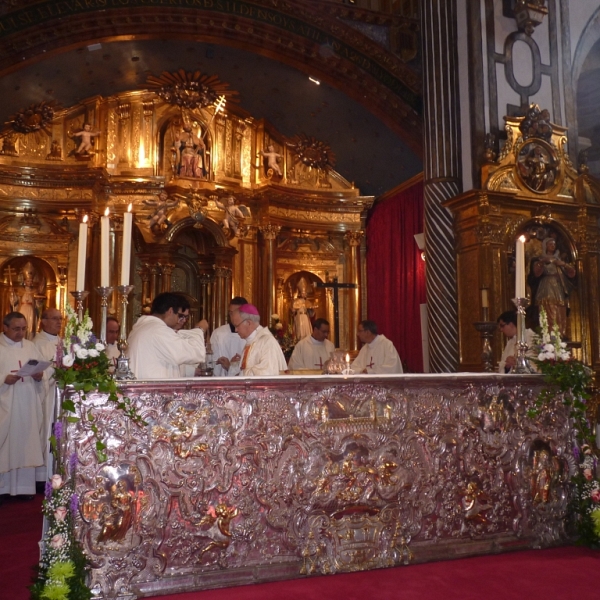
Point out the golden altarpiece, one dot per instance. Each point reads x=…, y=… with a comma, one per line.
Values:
x=531, y=188
x=223, y=205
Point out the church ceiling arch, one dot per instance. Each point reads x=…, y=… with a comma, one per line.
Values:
x=299, y=34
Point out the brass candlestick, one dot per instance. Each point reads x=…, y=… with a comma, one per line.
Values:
x=123, y=371
x=79, y=298
x=104, y=292
x=522, y=367
x=486, y=329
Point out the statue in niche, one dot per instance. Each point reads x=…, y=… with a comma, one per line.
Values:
x=551, y=281
x=55, y=151
x=270, y=161
x=29, y=297
x=86, y=144
x=190, y=157
x=158, y=221
x=301, y=309
x=233, y=218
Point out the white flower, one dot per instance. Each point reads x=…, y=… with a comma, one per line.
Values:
x=100, y=347
x=56, y=481
x=548, y=348
x=93, y=352
x=57, y=541
x=68, y=360
x=76, y=347
x=275, y=317
x=82, y=353
x=60, y=513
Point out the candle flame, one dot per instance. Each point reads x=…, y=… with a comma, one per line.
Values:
x=129, y=207
x=85, y=218
x=106, y=212
x=523, y=239
x=347, y=358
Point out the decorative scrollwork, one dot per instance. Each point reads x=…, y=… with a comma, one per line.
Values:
x=36, y=117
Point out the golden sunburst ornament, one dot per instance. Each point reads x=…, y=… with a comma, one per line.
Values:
x=36, y=117
x=191, y=90
x=312, y=152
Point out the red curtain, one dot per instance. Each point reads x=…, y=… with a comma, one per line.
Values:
x=396, y=272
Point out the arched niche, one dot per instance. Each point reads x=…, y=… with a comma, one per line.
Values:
x=316, y=301
x=29, y=285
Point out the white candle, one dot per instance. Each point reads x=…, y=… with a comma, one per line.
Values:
x=81, y=255
x=520, y=268
x=347, y=361
x=104, y=249
x=126, y=253
x=484, y=298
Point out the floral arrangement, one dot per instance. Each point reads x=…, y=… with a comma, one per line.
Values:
x=567, y=376
x=563, y=374
x=285, y=337
x=82, y=363
x=61, y=573
x=587, y=499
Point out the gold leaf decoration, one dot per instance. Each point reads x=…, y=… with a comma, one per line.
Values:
x=190, y=90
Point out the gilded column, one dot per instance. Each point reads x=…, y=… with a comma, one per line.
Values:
x=154, y=280
x=167, y=271
x=269, y=233
x=144, y=272
x=353, y=239
x=441, y=163
x=205, y=296
x=221, y=300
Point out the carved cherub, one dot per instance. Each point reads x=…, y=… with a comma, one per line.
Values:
x=219, y=518
x=158, y=220
x=85, y=139
x=270, y=159
x=234, y=215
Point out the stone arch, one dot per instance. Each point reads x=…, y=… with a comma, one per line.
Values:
x=311, y=40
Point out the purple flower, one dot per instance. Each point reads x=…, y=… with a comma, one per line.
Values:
x=58, y=430
x=74, y=503
x=93, y=338
x=72, y=462
x=576, y=453
x=48, y=490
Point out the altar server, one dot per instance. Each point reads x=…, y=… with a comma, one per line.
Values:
x=47, y=341
x=378, y=354
x=21, y=411
x=156, y=349
x=112, y=337
x=313, y=351
x=262, y=355
x=225, y=342
x=507, y=324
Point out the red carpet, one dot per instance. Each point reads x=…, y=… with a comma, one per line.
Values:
x=567, y=573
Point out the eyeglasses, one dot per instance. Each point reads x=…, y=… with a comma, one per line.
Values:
x=239, y=324
x=183, y=316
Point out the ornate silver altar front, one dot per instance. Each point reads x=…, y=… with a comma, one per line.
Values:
x=245, y=480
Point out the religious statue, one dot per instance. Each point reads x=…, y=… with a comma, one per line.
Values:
x=55, y=151
x=300, y=309
x=542, y=474
x=190, y=156
x=270, y=160
x=550, y=280
x=233, y=215
x=85, y=139
x=117, y=518
x=158, y=220
x=29, y=297
x=537, y=167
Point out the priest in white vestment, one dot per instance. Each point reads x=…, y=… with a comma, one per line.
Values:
x=47, y=341
x=21, y=411
x=262, y=356
x=378, y=354
x=156, y=350
x=226, y=343
x=507, y=323
x=314, y=351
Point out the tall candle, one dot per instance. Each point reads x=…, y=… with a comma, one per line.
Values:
x=104, y=249
x=484, y=298
x=520, y=268
x=126, y=254
x=81, y=255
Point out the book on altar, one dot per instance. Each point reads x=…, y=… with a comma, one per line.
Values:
x=33, y=367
